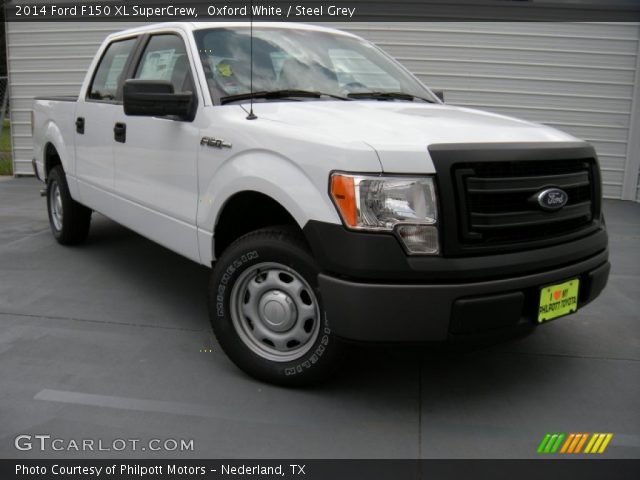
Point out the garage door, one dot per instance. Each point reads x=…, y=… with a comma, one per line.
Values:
x=46, y=58
x=581, y=78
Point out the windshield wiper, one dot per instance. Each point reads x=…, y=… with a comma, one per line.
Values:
x=388, y=96
x=272, y=94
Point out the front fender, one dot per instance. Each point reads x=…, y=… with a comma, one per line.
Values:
x=272, y=175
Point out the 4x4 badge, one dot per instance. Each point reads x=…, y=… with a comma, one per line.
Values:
x=214, y=142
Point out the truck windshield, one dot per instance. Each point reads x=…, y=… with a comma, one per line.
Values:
x=297, y=60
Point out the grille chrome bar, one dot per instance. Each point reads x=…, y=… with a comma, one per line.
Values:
x=504, y=208
x=488, y=221
x=526, y=184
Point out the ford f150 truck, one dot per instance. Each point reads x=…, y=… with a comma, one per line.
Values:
x=333, y=194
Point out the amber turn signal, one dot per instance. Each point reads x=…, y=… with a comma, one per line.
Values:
x=343, y=193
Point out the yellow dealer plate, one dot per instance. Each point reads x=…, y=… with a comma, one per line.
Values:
x=558, y=300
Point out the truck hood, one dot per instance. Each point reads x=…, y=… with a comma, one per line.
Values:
x=401, y=132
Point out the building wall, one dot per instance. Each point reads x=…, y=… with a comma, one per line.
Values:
x=580, y=78
x=46, y=58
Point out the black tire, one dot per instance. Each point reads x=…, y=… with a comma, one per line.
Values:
x=70, y=226
x=262, y=251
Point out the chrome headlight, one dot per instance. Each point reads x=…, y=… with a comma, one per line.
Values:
x=404, y=204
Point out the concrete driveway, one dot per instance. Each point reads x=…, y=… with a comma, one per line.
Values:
x=111, y=340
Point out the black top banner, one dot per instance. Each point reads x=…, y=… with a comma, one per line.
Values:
x=324, y=11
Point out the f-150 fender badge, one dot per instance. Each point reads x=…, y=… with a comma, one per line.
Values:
x=214, y=142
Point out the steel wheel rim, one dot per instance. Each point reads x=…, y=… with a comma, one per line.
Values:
x=55, y=201
x=275, y=312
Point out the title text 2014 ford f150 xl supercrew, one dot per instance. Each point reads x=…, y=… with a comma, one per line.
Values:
x=333, y=194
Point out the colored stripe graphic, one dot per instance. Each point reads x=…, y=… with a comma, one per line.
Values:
x=572, y=443
x=579, y=446
x=550, y=443
x=577, y=439
x=567, y=442
x=543, y=443
x=591, y=443
x=598, y=443
x=556, y=445
x=605, y=443
x=576, y=446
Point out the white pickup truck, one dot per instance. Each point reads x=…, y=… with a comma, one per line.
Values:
x=334, y=196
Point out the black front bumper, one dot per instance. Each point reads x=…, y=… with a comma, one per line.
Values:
x=391, y=312
x=373, y=292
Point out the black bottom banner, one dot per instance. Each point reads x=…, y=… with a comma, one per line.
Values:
x=319, y=469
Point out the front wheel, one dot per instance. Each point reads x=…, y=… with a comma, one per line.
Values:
x=267, y=312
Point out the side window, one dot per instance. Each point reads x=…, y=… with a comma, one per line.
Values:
x=165, y=58
x=105, y=81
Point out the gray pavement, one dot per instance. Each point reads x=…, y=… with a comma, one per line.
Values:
x=107, y=341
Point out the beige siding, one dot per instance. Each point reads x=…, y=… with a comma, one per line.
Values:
x=577, y=77
x=46, y=59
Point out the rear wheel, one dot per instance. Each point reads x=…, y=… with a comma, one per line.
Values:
x=68, y=219
x=267, y=312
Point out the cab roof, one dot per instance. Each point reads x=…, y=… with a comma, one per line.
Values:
x=192, y=26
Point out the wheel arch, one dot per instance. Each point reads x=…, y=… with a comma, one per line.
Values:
x=244, y=212
x=54, y=150
x=266, y=176
x=51, y=158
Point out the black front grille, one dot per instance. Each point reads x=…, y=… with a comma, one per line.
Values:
x=497, y=200
x=488, y=195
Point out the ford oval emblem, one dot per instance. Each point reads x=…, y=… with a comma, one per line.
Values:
x=552, y=199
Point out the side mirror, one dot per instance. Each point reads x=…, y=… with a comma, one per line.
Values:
x=156, y=98
x=439, y=94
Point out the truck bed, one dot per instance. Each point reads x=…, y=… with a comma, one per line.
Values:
x=54, y=118
x=59, y=98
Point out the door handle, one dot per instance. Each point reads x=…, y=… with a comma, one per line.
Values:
x=80, y=125
x=120, y=132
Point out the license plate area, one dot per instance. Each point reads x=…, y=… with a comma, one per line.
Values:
x=558, y=300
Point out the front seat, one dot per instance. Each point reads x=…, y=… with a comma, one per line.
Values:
x=181, y=77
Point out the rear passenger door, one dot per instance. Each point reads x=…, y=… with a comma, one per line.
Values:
x=156, y=161
x=95, y=112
